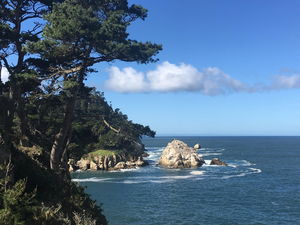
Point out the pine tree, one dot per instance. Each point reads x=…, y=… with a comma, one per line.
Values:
x=79, y=34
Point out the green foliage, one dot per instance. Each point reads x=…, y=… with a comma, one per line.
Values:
x=90, y=132
x=45, y=102
x=40, y=196
x=17, y=205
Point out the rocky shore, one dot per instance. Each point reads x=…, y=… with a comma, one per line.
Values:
x=107, y=160
x=176, y=154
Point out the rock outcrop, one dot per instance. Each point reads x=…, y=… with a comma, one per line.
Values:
x=107, y=162
x=178, y=154
x=197, y=146
x=218, y=162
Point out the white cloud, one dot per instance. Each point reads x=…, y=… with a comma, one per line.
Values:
x=169, y=77
x=4, y=74
x=126, y=80
x=286, y=82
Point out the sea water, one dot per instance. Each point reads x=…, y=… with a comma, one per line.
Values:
x=260, y=185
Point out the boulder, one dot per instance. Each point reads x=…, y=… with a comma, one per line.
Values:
x=145, y=154
x=178, y=154
x=130, y=164
x=93, y=165
x=140, y=162
x=218, y=162
x=120, y=165
x=197, y=146
x=83, y=164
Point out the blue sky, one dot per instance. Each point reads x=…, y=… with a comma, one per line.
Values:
x=254, y=49
x=227, y=68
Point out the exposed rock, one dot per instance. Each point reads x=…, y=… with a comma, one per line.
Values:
x=130, y=164
x=178, y=154
x=107, y=162
x=218, y=162
x=93, y=165
x=71, y=168
x=197, y=146
x=120, y=165
x=145, y=154
x=83, y=164
x=140, y=162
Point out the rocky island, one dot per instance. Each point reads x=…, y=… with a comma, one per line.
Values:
x=178, y=154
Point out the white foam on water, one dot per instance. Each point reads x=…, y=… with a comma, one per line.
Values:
x=236, y=175
x=207, y=162
x=160, y=181
x=232, y=165
x=256, y=170
x=154, y=154
x=132, y=182
x=176, y=177
x=128, y=170
x=238, y=163
x=245, y=163
x=250, y=171
x=197, y=172
x=124, y=170
x=92, y=179
x=213, y=153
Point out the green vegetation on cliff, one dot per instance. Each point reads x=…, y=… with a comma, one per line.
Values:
x=48, y=115
x=103, y=153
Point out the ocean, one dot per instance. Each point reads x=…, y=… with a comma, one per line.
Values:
x=261, y=185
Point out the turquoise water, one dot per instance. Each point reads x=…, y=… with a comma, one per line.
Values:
x=261, y=185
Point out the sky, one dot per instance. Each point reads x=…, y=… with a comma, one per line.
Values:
x=227, y=68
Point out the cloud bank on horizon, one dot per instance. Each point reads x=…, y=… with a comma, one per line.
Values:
x=168, y=77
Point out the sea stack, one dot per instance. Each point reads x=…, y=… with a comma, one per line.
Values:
x=178, y=154
x=217, y=162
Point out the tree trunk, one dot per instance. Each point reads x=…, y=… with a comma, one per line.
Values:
x=59, y=144
x=60, y=141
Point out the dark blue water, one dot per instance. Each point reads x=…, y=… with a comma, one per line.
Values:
x=261, y=185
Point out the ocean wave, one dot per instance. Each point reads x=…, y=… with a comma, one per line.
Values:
x=197, y=172
x=242, y=174
x=256, y=170
x=176, y=177
x=238, y=163
x=132, y=181
x=213, y=153
x=245, y=163
x=235, y=175
x=232, y=165
x=92, y=179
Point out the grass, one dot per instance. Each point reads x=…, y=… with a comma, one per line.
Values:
x=103, y=152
